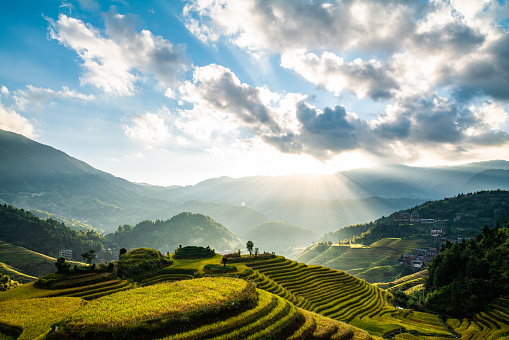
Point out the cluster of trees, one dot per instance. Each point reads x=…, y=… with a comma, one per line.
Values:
x=140, y=261
x=22, y=228
x=6, y=282
x=467, y=276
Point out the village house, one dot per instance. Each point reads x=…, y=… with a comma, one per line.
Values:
x=66, y=253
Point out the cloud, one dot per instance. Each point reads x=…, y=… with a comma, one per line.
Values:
x=116, y=59
x=223, y=108
x=38, y=96
x=366, y=79
x=380, y=50
x=149, y=128
x=277, y=25
x=10, y=120
x=4, y=90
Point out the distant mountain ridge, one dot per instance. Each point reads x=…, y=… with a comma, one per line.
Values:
x=37, y=176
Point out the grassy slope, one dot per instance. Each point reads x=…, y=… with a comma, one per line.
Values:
x=374, y=263
x=26, y=261
x=15, y=274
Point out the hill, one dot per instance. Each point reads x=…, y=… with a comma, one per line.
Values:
x=292, y=301
x=34, y=176
x=374, y=257
x=375, y=263
x=23, y=229
x=69, y=222
x=280, y=237
x=463, y=216
x=25, y=265
x=184, y=228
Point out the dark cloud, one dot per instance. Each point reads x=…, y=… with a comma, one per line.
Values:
x=456, y=37
x=225, y=94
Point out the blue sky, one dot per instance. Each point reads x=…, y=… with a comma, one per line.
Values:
x=175, y=92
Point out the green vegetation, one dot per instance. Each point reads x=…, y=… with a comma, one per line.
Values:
x=190, y=228
x=140, y=261
x=22, y=228
x=193, y=252
x=375, y=263
x=27, y=262
x=475, y=210
x=71, y=223
x=15, y=275
x=34, y=317
x=465, y=277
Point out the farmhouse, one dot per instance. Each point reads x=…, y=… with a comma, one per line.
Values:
x=66, y=253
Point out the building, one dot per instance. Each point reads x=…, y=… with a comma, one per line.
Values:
x=414, y=218
x=417, y=264
x=402, y=217
x=428, y=220
x=435, y=232
x=66, y=253
x=420, y=252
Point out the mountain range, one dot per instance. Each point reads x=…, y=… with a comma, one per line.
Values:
x=37, y=176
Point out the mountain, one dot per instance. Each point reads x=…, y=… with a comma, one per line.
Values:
x=323, y=216
x=378, y=244
x=182, y=229
x=34, y=176
x=280, y=237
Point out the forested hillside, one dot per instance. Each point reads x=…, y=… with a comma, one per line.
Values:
x=466, y=277
x=461, y=216
x=22, y=228
x=182, y=229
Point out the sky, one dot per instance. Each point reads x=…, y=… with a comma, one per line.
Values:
x=175, y=92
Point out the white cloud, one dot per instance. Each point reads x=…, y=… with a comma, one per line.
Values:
x=364, y=78
x=37, y=97
x=149, y=128
x=4, y=90
x=10, y=120
x=115, y=60
x=278, y=25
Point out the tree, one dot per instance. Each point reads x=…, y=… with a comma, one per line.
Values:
x=256, y=252
x=224, y=260
x=249, y=247
x=62, y=265
x=122, y=252
x=89, y=256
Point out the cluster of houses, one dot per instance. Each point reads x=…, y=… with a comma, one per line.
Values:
x=106, y=255
x=418, y=259
x=415, y=218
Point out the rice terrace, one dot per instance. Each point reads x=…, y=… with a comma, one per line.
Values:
x=266, y=297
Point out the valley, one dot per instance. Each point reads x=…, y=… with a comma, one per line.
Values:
x=342, y=261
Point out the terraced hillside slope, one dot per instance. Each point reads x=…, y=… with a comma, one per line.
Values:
x=294, y=301
x=375, y=263
x=341, y=296
x=206, y=308
x=492, y=324
x=29, y=264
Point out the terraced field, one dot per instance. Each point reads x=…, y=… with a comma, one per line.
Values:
x=374, y=263
x=405, y=283
x=492, y=324
x=340, y=296
x=213, y=308
x=26, y=261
